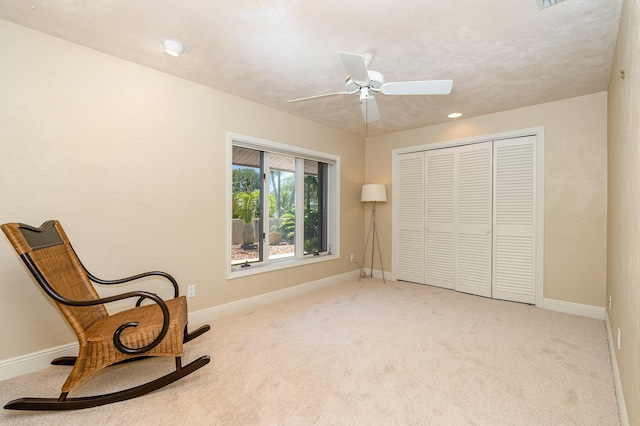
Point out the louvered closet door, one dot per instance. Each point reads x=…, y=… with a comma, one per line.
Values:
x=514, y=220
x=439, y=217
x=474, y=204
x=410, y=246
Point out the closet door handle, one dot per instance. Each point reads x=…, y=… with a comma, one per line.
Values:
x=488, y=230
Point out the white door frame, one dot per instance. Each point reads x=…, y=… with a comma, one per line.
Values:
x=538, y=132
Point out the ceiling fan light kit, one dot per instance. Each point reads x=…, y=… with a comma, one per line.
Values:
x=366, y=82
x=364, y=94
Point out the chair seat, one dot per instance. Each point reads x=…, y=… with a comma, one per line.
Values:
x=99, y=350
x=149, y=319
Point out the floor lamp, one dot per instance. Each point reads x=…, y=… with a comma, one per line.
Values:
x=372, y=193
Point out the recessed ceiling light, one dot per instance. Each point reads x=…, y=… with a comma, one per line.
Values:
x=173, y=47
x=454, y=115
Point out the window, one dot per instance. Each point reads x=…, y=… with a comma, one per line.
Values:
x=282, y=205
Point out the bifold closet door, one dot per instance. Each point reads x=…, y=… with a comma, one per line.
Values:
x=439, y=261
x=410, y=222
x=444, y=218
x=474, y=217
x=467, y=218
x=515, y=220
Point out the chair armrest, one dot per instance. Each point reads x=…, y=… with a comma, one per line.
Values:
x=176, y=289
x=117, y=341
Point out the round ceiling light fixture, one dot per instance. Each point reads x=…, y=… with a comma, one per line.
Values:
x=454, y=115
x=173, y=47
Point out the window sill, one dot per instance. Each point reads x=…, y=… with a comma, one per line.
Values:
x=238, y=272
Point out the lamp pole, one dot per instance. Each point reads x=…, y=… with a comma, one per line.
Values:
x=373, y=234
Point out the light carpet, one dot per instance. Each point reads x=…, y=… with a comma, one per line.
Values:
x=364, y=353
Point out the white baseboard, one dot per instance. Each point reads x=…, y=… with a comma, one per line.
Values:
x=35, y=361
x=377, y=273
x=574, y=308
x=211, y=314
x=622, y=407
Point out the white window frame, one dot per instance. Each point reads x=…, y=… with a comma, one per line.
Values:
x=333, y=202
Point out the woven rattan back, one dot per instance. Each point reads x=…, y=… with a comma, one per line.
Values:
x=50, y=258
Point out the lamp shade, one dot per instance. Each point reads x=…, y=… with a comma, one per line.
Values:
x=373, y=192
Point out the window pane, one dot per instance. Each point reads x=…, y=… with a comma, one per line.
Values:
x=282, y=218
x=315, y=236
x=245, y=205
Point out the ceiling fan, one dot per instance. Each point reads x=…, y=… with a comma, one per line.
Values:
x=366, y=82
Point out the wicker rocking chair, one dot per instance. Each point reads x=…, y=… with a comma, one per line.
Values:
x=152, y=329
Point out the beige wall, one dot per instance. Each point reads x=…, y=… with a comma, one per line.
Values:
x=132, y=162
x=623, y=256
x=575, y=157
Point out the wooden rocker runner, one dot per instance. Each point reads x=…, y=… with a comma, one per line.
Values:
x=153, y=329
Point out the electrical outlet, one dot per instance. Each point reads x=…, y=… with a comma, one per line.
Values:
x=353, y=257
x=609, y=302
x=191, y=291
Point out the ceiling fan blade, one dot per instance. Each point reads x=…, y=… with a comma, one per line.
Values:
x=344, y=92
x=430, y=87
x=356, y=66
x=370, y=110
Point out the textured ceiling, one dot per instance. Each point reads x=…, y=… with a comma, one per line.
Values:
x=500, y=54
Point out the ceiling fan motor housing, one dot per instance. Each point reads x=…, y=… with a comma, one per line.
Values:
x=375, y=82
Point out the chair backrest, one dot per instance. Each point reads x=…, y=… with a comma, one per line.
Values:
x=49, y=256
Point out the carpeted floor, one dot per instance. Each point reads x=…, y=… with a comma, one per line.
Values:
x=364, y=353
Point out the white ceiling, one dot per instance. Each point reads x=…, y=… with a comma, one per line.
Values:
x=500, y=54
